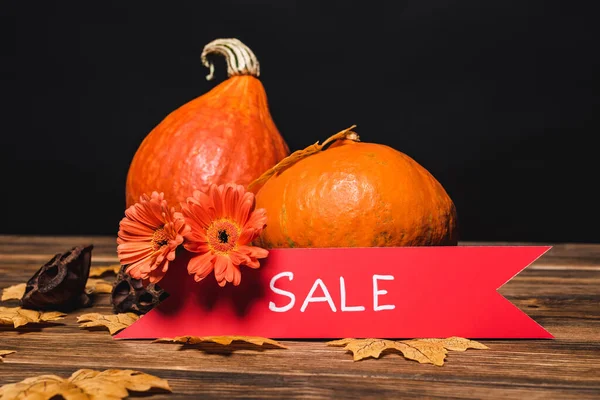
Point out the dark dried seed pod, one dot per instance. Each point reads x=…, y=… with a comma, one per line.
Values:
x=130, y=295
x=60, y=283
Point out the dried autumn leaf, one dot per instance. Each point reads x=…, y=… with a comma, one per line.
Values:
x=425, y=351
x=456, y=343
x=223, y=340
x=14, y=292
x=18, y=316
x=114, y=322
x=5, y=353
x=98, y=286
x=363, y=348
x=97, y=272
x=116, y=383
x=41, y=387
x=85, y=384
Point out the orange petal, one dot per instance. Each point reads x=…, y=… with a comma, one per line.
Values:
x=139, y=269
x=221, y=265
x=237, y=275
x=128, y=258
x=253, y=263
x=230, y=272
x=148, y=213
x=245, y=207
x=257, y=220
x=238, y=258
x=230, y=199
x=214, y=192
x=178, y=227
x=129, y=253
x=157, y=274
x=134, y=246
x=198, y=234
x=173, y=243
x=247, y=236
x=253, y=251
x=196, y=247
x=202, y=199
x=200, y=266
x=133, y=227
x=171, y=255
x=197, y=214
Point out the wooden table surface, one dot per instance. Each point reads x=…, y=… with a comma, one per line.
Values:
x=561, y=291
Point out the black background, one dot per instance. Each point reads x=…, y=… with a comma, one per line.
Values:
x=495, y=98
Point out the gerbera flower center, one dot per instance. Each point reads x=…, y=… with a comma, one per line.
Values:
x=223, y=235
x=159, y=239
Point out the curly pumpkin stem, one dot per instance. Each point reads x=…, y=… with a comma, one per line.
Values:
x=240, y=59
x=300, y=154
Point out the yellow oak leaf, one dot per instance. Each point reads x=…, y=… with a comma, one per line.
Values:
x=18, y=316
x=425, y=351
x=4, y=353
x=14, y=292
x=114, y=322
x=222, y=340
x=85, y=384
x=97, y=272
x=98, y=286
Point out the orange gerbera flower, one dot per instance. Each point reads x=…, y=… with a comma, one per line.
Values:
x=148, y=237
x=223, y=223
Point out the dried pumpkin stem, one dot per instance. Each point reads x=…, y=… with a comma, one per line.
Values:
x=240, y=59
x=300, y=154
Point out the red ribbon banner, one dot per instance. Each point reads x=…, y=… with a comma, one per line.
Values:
x=398, y=292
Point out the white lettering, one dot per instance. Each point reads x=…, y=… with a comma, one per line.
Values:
x=310, y=299
x=289, y=306
x=343, y=296
x=377, y=292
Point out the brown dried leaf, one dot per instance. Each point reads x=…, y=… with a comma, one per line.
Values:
x=85, y=384
x=114, y=322
x=223, y=340
x=18, y=316
x=5, y=353
x=98, y=286
x=425, y=351
x=97, y=272
x=14, y=292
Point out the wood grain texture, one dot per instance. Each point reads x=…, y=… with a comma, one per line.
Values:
x=561, y=290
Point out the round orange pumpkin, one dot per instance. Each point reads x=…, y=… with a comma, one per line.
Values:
x=226, y=135
x=355, y=194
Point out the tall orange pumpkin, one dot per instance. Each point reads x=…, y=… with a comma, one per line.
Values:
x=354, y=194
x=225, y=135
